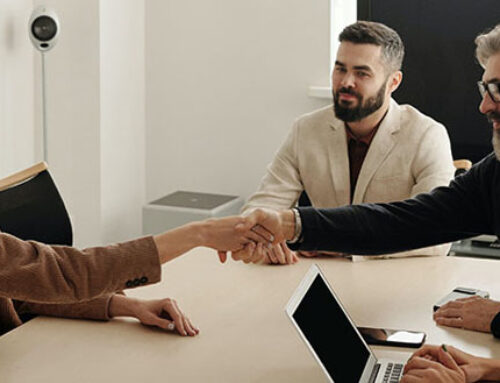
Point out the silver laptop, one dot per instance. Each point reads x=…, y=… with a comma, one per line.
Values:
x=333, y=338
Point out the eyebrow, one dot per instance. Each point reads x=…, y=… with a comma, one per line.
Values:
x=363, y=67
x=357, y=67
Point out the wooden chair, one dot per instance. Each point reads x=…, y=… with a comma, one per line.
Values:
x=31, y=207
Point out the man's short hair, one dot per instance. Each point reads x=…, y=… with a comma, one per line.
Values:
x=487, y=44
x=369, y=32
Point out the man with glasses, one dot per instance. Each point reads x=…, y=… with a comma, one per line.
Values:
x=469, y=206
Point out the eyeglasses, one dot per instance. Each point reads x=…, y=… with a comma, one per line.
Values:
x=493, y=89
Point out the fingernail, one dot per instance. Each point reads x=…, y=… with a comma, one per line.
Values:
x=443, y=346
x=171, y=326
x=272, y=238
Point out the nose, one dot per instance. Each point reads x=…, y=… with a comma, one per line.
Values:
x=347, y=80
x=487, y=104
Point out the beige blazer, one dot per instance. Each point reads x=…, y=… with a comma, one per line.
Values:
x=51, y=280
x=410, y=154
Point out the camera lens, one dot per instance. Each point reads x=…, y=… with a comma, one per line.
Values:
x=44, y=28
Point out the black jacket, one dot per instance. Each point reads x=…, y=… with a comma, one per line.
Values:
x=469, y=206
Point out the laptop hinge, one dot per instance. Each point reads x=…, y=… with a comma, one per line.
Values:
x=374, y=374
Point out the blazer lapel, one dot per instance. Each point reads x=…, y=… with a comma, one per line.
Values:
x=380, y=147
x=339, y=162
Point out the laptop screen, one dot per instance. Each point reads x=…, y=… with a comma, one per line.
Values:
x=330, y=333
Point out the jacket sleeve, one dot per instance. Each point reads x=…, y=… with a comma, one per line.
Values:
x=495, y=326
x=38, y=273
x=433, y=163
x=432, y=167
x=97, y=309
x=445, y=214
x=281, y=186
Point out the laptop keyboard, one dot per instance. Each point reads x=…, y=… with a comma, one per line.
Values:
x=393, y=373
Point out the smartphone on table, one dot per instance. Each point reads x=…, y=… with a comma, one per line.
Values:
x=391, y=337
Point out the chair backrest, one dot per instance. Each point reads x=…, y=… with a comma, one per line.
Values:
x=31, y=207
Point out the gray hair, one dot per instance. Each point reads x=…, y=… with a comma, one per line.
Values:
x=369, y=32
x=487, y=44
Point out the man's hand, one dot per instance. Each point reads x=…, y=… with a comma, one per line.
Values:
x=473, y=367
x=280, y=254
x=433, y=365
x=162, y=313
x=232, y=234
x=223, y=235
x=266, y=225
x=474, y=313
x=281, y=224
x=275, y=254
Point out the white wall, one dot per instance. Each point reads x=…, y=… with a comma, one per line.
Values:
x=17, y=88
x=122, y=118
x=95, y=113
x=224, y=81
x=73, y=114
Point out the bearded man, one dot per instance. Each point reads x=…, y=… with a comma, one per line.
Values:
x=364, y=148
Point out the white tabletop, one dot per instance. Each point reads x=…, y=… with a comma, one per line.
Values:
x=245, y=334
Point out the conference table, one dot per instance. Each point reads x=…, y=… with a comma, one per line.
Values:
x=245, y=335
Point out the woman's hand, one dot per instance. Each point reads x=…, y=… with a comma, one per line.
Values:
x=162, y=313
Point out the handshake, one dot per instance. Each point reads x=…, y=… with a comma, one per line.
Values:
x=252, y=237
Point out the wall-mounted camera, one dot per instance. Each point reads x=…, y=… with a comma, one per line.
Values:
x=44, y=31
x=43, y=28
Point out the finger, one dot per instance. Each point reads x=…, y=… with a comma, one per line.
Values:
x=427, y=350
x=451, y=305
x=222, y=256
x=450, y=322
x=247, y=252
x=174, y=312
x=242, y=254
x=258, y=253
x=448, y=313
x=278, y=252
x=272, y=257
x=468, y=299
x=295, y=257
x=288, y=253
x=196, y=329
x=187, y=325
x=154, y=320
x=415, y=376
x=250, y=252
x=419, y=363
x=251, y=235
x=410, y=379
x=446, y=359
x=264, y=233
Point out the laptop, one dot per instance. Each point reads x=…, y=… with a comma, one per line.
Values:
x=332, y=337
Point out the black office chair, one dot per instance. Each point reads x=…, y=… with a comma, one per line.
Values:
x=31, y=207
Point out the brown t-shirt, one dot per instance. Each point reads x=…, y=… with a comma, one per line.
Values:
x=357, y=149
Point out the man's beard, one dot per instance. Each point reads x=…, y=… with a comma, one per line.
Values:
x=496, y=134
x=362, y=110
